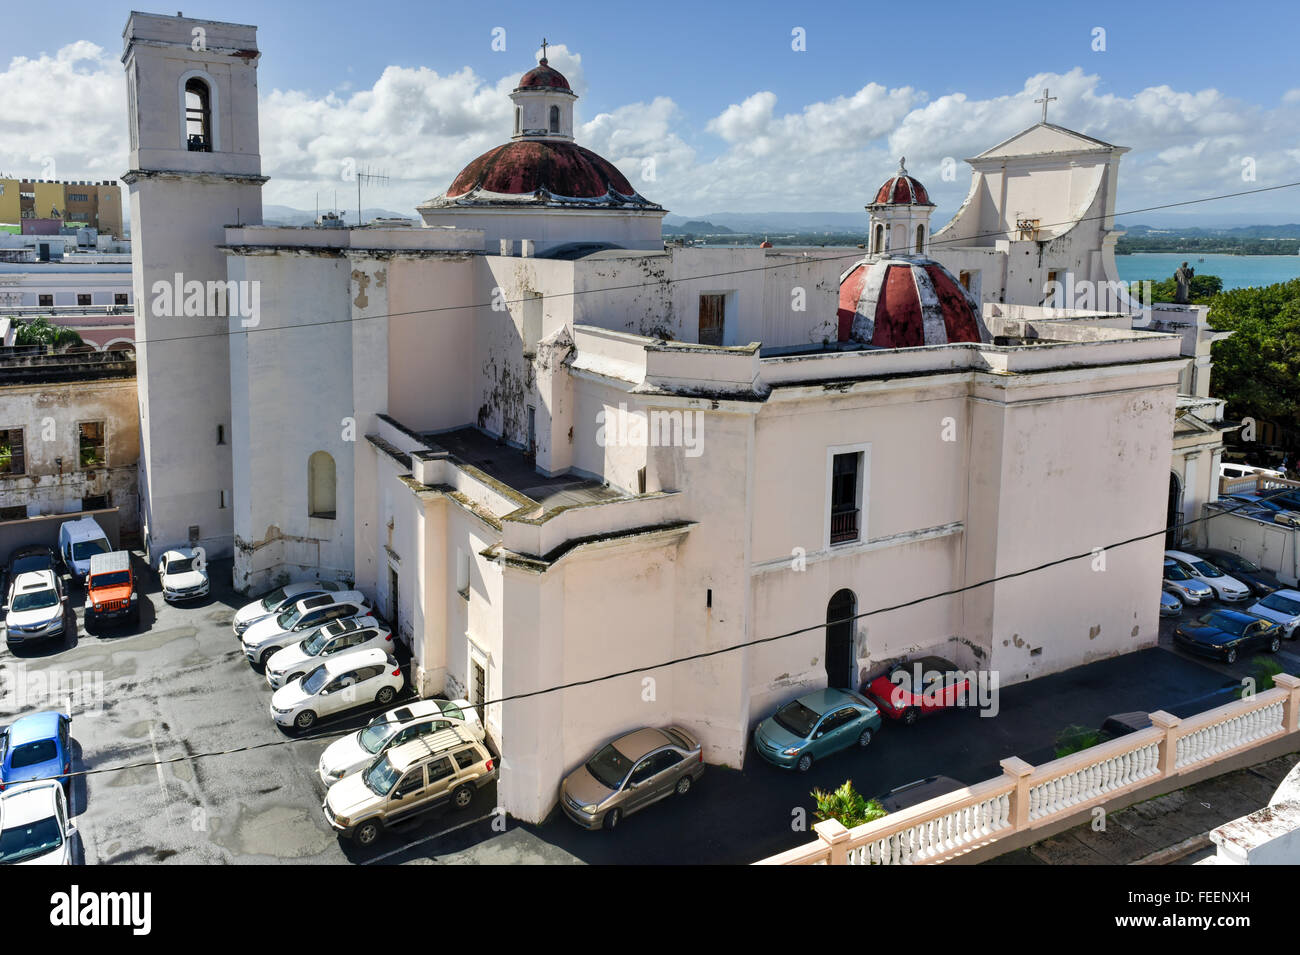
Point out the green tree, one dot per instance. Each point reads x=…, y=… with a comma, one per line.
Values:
x=1257, y=369
x=847, y=805
x=1203, y=291
x=41, y=331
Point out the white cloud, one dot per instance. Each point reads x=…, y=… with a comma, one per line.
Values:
x=420, y=127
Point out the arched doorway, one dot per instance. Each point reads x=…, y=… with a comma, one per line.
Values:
x=1174, y=515
x=839, y=639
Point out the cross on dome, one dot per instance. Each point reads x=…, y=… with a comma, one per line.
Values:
x=543, y=59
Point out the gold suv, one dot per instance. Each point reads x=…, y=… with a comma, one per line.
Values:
x=445, y=768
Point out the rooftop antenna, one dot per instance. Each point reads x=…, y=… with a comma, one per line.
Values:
x=365, y=175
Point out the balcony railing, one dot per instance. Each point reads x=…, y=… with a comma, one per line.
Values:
x=844, y=525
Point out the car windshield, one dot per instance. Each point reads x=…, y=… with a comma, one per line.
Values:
x=314, y=644
x=273, y=599
x=452, y=710
x=1281, y=604
x=1174, y=572
x=31, y=754
x=1206, y=569
x=796, y=718
x=314, y=680
x=381, y=777
x=35, y=600
x=289, y=619
x=609, y=766
x=1221, y=621
x=377, y=733
x=32, y=839
x=1234, y=562
x=114, y=579
x=84, y=550
x=180, y=565
x=23, y=565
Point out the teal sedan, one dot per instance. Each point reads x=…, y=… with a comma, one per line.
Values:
x=815, y=725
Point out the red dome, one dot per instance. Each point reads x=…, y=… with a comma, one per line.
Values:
x=542, y=76
x=544, y=169
x=905, y=302
x=902, y=190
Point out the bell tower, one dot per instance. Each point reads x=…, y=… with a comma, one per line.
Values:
x=195, y=169
x=543, y=103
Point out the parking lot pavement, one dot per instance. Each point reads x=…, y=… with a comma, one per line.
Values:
x=172, y=687
x=177, y=685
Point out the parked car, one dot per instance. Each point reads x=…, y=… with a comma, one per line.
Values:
x=814, y=726
x=182, y=576
x=266, y=637
x=1231, y=469
x=1283, y=512
x=1249, y=573
x=1170, y=606
x=36, y=746
x=79, y=541
x=898, y=698
x=918, y=791
x=353, y=633
x=36, y=608
x=34, y=826
x=356, y=751
x=110, y=589
x=282, y=598
x=1122, y=724
x=630, y=773
x=1183, y=585
x=1225, y=634
x=1283, y=608
x=1227, y=589
x=426, y=773
x=26, y=559
x=341, y=683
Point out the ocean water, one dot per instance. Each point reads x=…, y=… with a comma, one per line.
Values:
x=1237, y=271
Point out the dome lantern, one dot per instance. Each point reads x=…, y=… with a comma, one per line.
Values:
x=543, y=103
x=900, y=215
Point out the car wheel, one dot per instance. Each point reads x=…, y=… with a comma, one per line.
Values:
x=911, y=715
x=462, y=797
x=805, y=763
x=385, y=695
x=1231, y=657
x=683, y=786
x=266, y=656
x=366, y=833
x=612, y=817
x=864, y=738
x=305, y=720
x=1274, y=645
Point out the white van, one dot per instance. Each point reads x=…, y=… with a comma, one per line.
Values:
x=1228, y=469
x=79, y=541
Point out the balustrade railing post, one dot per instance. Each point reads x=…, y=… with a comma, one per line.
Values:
x=1019, y=770
x=836, y=838
x=1169, y=745
x=1291, y=708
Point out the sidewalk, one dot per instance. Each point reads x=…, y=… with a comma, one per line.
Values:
x=1169, y=829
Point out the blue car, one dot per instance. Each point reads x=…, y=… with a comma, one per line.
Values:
x=36, y=747
x=817, y=724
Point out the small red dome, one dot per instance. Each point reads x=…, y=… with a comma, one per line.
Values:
x=765, y=244
x=905, y=302
x=542, y=76
x=546, y=169
x=902, y=190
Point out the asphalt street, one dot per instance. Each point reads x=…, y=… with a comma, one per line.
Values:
x=175, y=687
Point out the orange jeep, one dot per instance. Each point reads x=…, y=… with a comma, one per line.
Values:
x=110, y=589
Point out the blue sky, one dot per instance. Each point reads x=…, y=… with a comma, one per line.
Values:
x=703, y=59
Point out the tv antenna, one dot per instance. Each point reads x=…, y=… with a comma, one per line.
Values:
x=366, y=176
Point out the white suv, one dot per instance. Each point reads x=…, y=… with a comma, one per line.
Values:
x=282, y=598
x=343, y=682
x=34, y=825
x=358, y=750
x=354, y=633
x=265, y=637
x=35, y=607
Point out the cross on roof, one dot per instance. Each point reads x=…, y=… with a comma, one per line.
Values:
x=543, y=48
x=1045, y=100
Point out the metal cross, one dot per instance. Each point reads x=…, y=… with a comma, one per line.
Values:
x=543, y=48
x=1045, y=100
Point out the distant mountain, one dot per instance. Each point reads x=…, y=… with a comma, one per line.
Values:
x=696, y=227
x=1288, y=231
x=760, y=223
x=286, y=215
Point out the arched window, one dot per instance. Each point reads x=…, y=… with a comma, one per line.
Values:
x=880, y=239
x=198, y=116
x=320, y=485
x=920, y=238
x=555, y=119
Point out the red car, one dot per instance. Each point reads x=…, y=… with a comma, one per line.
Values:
x=915, y=688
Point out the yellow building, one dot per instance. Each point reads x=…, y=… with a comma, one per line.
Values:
x=10, y=211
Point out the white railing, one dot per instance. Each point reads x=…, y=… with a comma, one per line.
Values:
x=1026, y=797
